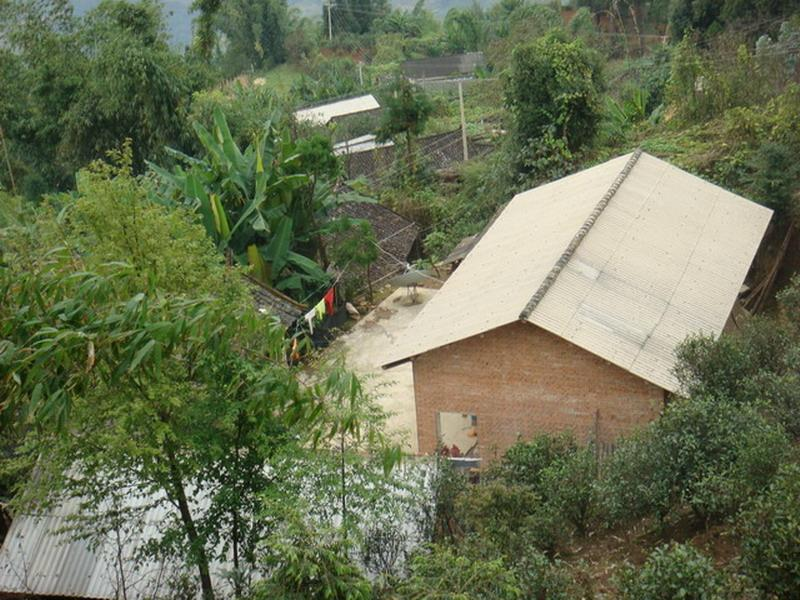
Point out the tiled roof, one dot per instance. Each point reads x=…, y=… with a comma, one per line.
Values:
x=396, y=235
x=270, y=300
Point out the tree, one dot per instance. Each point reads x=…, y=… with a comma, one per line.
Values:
x=357, y=246
x=265, y=206
x=353, y=16
x=146, y=376
x=464, y=28
x=255, y=34
x=407, y=109
x=553, y=89
x=82, y=86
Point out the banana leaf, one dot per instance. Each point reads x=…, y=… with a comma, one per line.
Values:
x=277, y=250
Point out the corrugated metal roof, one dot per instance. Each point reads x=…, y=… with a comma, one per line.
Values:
x=443, y=66
x=320, y=115
x=665, y=258
x=39, y=557
x=362, y=143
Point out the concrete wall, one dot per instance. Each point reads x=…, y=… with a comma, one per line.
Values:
x=521, y=380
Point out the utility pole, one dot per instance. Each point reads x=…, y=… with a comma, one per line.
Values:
x=361, y=73
x=463, y=122
x=329, y=3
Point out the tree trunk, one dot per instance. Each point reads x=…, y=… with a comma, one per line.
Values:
x=410, y=150
x=344, y=485
x=196, y=546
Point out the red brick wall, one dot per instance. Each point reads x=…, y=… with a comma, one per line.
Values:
x=521, y=380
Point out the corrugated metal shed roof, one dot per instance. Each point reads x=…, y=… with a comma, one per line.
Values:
x=37, y=558
x=665, y=258
x=443, y=66
x=359, y=144
x=462, y=249
x=322, y=114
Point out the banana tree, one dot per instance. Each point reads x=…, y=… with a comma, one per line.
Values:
x=258, y=205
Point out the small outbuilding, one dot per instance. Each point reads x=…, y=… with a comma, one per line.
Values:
x=322, y=114
x=454, y=65
x=398, y=238
x=269, y=300
x=567, y=312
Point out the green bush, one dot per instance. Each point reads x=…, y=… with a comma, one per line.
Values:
x=544, y=579
x=758, y=366
x=509, y=518
x=559, y=472
x=569, y=486
x=442, y=574
x=705, y=454
x=245, y=106
x=302, y=564
x=525, y=462
x=671, y=572
x=553, y=87
x=771, y=536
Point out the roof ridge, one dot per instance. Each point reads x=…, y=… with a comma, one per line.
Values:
x=582, y=232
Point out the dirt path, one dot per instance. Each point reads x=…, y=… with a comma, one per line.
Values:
x=369, y=343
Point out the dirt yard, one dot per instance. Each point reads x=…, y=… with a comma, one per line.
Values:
x=370, y=341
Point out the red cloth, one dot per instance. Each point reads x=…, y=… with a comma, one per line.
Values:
x=328, y=301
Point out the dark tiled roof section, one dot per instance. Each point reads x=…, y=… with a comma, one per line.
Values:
x=443, y=66
x=461, y=250
x=396, y=236
x=275, y=302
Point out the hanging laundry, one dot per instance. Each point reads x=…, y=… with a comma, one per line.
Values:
x=320, y=309
x=329, y=298
x=310, y=317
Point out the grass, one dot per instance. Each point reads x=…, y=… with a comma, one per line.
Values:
x=281, y=78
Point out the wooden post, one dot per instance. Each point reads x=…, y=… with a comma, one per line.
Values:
x=8, y=162
x=330, y=27
x=463, y=122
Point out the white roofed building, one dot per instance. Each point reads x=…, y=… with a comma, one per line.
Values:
x=324, y=113
x=567, y=312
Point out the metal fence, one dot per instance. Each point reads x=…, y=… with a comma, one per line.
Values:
x=438, y=151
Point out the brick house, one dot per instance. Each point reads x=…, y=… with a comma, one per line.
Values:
x=567, y=312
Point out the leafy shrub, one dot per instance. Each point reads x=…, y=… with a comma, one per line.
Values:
x=775, y=175
x=559, y=472
x=245, y=106
x=303, y=565
x=771, y=536
x=677, y=571
x=554, y=87
x=544, y=579
x=443, y=574
x=327, y=78
x=569, y=486
x=526, y=462
x=757, y=366
x=509, y=518
x=697, y=449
